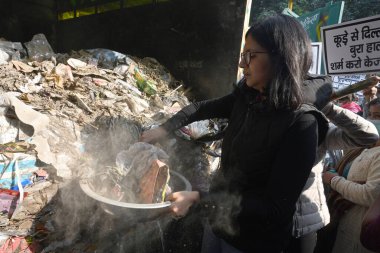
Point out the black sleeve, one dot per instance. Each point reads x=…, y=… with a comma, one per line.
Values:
x=215, y=108
x=290, y=171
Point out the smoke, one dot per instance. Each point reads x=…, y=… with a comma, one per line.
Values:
x=114, y=134
x=223, y=209
x=82, y=224
x=79, y=224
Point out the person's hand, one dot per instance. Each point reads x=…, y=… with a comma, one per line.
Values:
x=375, y=79
x=328, y=176
x=328, y=108
x=153, y=135
x=182, y=201
x=370, y=93
x=317, y=91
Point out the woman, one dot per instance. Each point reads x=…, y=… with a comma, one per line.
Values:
x=369, y=235
x=269, y=146
x=348, y=131
x=357, y=191
x=369, y=95
x=349, y=104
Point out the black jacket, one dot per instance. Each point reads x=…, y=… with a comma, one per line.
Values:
x=253, y=195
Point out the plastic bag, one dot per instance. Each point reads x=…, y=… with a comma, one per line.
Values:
x=139, y=158
x=109, y=59
x=196, y=130
x=146, y=176
x=13, y=49
x=4, y=57
x=144, y=84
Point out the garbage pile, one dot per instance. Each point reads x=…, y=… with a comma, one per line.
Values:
x=75, y=86
x=76, y=115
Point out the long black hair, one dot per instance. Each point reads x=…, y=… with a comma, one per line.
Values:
x=291, y=58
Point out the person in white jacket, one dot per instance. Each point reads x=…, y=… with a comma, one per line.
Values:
x=348, y=130
x=365, y=169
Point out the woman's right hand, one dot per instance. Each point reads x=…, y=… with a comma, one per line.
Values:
x=182, y=201
x=153, y=135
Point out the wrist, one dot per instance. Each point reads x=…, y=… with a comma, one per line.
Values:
x=330, y=181
x=163, y=132
x=369, y=98
x=168, y=126
x=327, y=109
x=195, y=197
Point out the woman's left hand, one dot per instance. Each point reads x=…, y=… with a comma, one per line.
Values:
x=327, y=176
x=182, y=201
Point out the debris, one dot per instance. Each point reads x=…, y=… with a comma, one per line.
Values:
x=43, y=149
x=40, y=175
x=108, y=94
x=13, y=49
x=60, y=74
x=4, y=221
x=62, y=165
x=26, y=167
x=109, y=59
x=18, y=245
x=9, y=201
x=145, y=85
x=39, y=48
x=24, y=183
x=135, y=104
x=197, y=130
x=122, y=69
x=4, y=57
x=26, y=225
x=76, y=64
x=100, y=82
x=25, y=113
x=31, y=86
x=21, y=124
x=22, y=67
x=39, y=195
x=83, y=109
x=76, y=98
x=64, y=71
x=36, y=79
x=128, y=86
